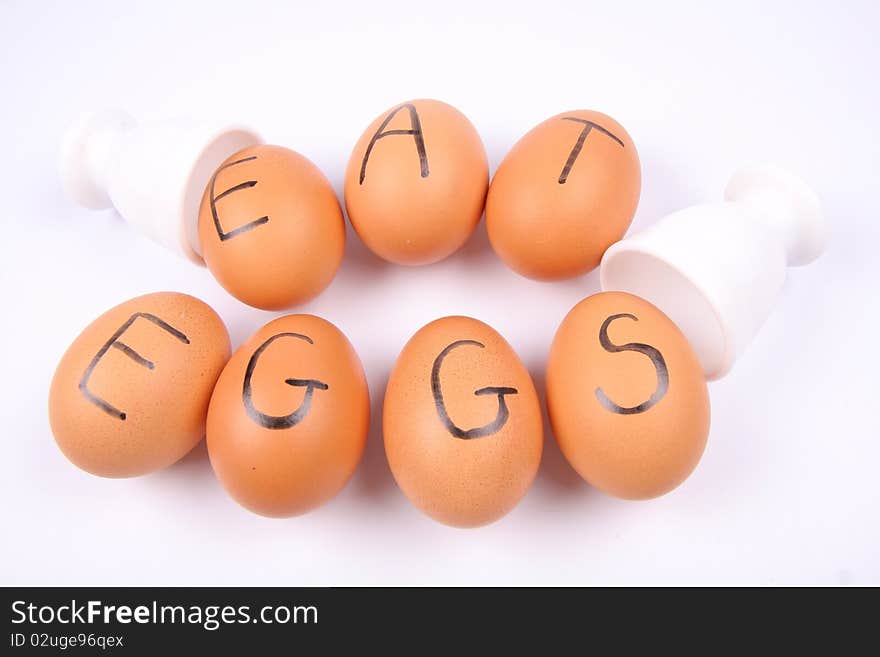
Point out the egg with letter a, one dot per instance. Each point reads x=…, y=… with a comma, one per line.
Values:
x=131, y=393
x=563, y=194
x=462, y=423
x=289, y=417
x=271, y=228
x=626, y=396
x=416, y=182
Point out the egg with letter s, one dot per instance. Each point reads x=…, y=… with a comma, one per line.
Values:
x=416, y=182
x=131, y=393
x=289, y=417
x=626, y=396
x=271, y=229
x=462, y=423
x=563, y=194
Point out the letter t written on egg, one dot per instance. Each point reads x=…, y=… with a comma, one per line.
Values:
x=579, y=144
x=115, y=342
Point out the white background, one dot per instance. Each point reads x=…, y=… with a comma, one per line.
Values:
x=787, y=491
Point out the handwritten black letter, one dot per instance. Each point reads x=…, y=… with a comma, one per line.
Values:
x=477, y=432
x=114, y=343
x=213, y=200
x=579, y=144
x=649, y=351
x=416, y=133
x=279, y=421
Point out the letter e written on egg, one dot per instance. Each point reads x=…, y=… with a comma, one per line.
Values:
x=579, y=144
x=415, y=132
x=116, y=343
x=213, y=197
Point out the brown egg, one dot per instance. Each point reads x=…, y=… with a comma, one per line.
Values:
x=563, y=194
x=416, y=182
x=289, y=418
x=627, y=398
x=131, y=393
x=462, y=423
x=271, y=228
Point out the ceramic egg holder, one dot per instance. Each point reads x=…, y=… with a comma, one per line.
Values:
x=153, y=173
x=717, y=269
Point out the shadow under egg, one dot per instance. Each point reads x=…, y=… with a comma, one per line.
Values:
x=192, y=471
x=477, y=250
x=373, y=478
x=358, y=257
x=555, y=476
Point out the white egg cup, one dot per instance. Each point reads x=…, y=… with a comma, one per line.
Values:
x=153, y=173
x=717, y=269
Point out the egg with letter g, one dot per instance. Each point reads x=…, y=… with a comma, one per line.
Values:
x=131, y=393
x=563, y=194
x=271, y=228
x=462, y=423
x=289, y=417
x=416, y=182
x=626, y=396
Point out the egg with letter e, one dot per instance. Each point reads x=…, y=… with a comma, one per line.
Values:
x=271, y=228
x=462, y=423
x=416, y=182
x=626, y=396
x=563, y=194
x=131, y=393
x=289, y=417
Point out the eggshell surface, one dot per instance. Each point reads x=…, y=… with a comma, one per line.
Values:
x=289, y=417
x=416, y=182
x=271, y=228
x=626, y=395
x=462, y=423
x=131, y=393
x=563, y=194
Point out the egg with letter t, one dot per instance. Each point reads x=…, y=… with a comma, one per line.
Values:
x=626, y=396
x=563, y=194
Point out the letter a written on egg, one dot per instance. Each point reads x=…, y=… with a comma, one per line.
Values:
x=213, y=198
x=579, y=144
x=415, y=132
x=115, y=343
